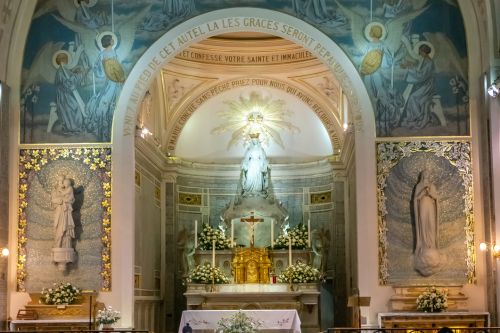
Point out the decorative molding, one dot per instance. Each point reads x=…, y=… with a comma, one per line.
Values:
x=321, y=198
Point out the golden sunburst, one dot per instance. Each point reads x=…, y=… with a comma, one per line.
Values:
x=255, y=114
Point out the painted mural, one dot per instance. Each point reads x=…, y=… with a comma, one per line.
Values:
x=425, y=213
x=64, y=226
x=410, y=53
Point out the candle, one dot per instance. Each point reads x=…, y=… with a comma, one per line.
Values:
x=289, y=250
x=272, y=233
x=195, y=234
x=213, y=253
x=309, y=233
x=232, y=233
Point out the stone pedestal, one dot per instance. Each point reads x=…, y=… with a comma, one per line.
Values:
x=62, y=256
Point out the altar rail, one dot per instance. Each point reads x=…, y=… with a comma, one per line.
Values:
x=415, y=330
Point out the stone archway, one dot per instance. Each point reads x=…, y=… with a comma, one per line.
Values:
x=161, y=52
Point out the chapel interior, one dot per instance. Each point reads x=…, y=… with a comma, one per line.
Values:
x=145, y=144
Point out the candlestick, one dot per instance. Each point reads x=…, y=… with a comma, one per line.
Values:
x=272, y=233
x=213, y=253
x=195, y=234
x=289, y=250
x=232, y=233
x=309, y=233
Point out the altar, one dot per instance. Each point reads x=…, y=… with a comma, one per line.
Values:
x=272, y=320
x=302, y=298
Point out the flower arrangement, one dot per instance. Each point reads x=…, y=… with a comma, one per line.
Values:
x=107, y=316
x=62, y=293
x=299, y=273
x=239, y=323
x=433, y=300
x=208, y=235
x=205, y=274
x=298, y=236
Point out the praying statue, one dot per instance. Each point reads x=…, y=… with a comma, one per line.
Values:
x=427, y=258
x=62, y=198
x=255, y=169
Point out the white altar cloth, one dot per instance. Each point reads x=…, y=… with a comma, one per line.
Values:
x=286, y=320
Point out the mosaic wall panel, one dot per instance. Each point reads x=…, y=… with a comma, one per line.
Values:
x=425, y=222
x=89, y=172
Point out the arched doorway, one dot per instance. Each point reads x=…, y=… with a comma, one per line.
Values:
x=184, y=35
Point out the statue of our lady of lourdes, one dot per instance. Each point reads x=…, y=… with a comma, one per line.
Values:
x=62, y=198
x=427, y=258
x=255, y=169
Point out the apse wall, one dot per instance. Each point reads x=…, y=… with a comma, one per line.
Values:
x=437, y=24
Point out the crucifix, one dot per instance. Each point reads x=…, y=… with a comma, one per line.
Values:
x=252, y=220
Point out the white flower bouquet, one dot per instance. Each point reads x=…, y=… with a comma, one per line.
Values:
x=298, y=235
x=62, y=293
x=208, y=235
x=299, y=273
x=238, y=323
x=207, y=273
x=107, y=316
x=433, y=300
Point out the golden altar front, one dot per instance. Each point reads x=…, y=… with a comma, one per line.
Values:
x=251, y=265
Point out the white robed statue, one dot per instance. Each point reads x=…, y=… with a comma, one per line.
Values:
x=62, y=197
x=255, y=169
x=427, y=258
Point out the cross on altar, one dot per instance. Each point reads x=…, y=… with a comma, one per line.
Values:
x=252, y=220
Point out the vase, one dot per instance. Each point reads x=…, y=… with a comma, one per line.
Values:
x=106, y=327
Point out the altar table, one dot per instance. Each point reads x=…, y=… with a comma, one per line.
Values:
x=283, y=320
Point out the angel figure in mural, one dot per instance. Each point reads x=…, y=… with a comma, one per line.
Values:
x=79, y=11
x=62, y=198
x=427, y=258
x=65, y=67
x=70, y=108
x=379, y=46
x=428, y=56
x=419, y=102
x=101, y=106
x=108, y=70
x=317, y=11
x=255, y=169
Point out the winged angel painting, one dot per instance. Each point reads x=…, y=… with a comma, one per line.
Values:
x=71, y=87
x=416, y=79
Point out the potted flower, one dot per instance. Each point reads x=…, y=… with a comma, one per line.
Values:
x=207, y=274
x=297, y=235
x=433, y=300
x=238, y=323
x=107, y=317
x=60, y=294
x=208, y=235
x=300, y=273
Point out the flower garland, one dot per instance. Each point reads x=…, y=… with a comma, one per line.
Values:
x=107, y=316
x=208, y=235
x=205, y=274
x=298, y=235
x=62, y=293
x=239, y=323
x=433, y=300
x=299, y=273
x=31, y=161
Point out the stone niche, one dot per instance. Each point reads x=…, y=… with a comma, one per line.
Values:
x=405, y=298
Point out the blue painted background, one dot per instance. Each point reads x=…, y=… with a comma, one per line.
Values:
x=85, y=106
